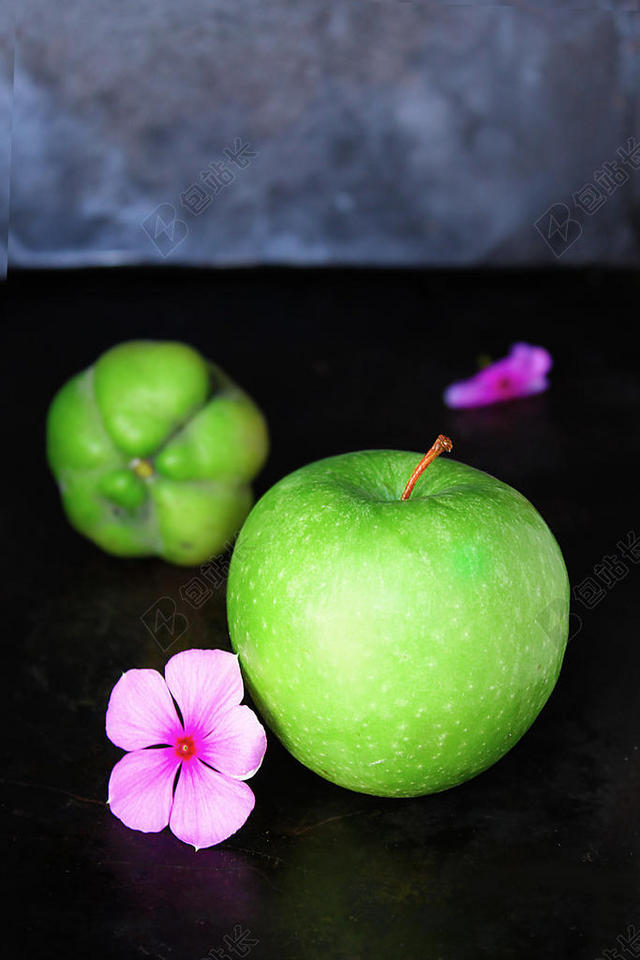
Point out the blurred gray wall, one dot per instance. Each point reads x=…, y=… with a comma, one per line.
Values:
x=7, y=48
x=307, y=132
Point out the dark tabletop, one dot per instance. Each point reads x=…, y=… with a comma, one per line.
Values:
x=537, y=857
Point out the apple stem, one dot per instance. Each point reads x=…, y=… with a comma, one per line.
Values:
x=442, y=445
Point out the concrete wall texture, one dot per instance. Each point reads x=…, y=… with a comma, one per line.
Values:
x=391, y=132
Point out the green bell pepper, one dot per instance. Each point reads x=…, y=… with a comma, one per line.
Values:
x=153, y=449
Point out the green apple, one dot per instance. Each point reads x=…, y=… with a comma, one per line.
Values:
x=397, y=646
x=153, y=448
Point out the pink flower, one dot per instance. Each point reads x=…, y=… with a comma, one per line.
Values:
x=192, y=780
x=520, y=374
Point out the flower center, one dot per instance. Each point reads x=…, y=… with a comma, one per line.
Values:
x=185, y=747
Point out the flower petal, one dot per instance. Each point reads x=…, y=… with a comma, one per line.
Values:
x=236, y=745
x=141, y=712
x=141, y=788
x=520, y=374
x=208, y=807
x=204, y=684
x=536, y=360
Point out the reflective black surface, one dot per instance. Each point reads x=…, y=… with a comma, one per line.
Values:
x=536, y=857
